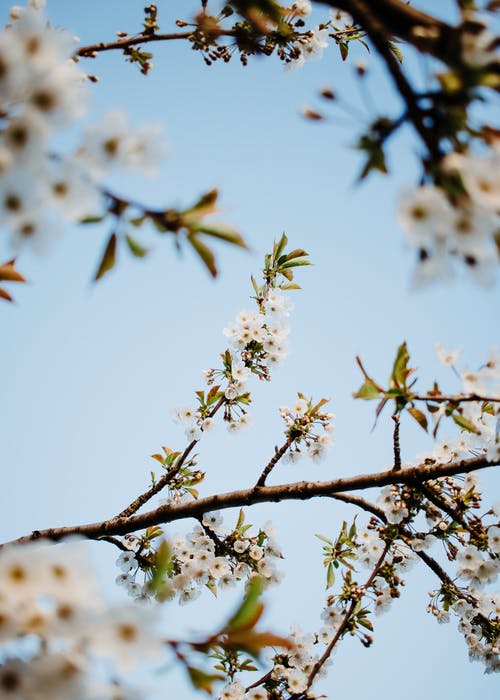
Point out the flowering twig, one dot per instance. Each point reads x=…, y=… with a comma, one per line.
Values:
x=92, y=50
x=169, y=476
x=343, y=626
x=441, y=503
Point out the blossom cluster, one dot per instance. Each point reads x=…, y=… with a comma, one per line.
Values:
x=479, y=419
x=444, y=228
x=42, y=92
x=207, y=557
x=49, y=599
x=474, y=542
x=311, y=44
x=296, y=671
x=258, y=341
x=290, y=671
x=303, y=420
x=476, y=606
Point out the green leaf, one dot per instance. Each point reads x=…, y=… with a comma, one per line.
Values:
x=400, y=369
x=254, y=285
x=202, y=680
x=205, y=205
x=108, y=259
x=224, y=233
x=204, y=253
x=289, y=285
x=294, y=263
x=464, y=423
x=369, y=390
x=138, y=221
x=330, y=576
x=297, y=253
x=344, y=50
x=375, y=155
x=138, y=250
x=396, y=51
x=364, y=622
x=325, y=539
x=280, y=246
x=241, y=519
x=162, y=566
x=250, y=609
x=253, y=642
x=420, y=417
x=91, y=219
x=313, y=411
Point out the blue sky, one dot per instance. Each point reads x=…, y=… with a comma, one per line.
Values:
x=92, y=372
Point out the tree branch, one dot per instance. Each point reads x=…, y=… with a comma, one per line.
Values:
x=454, y=398
x=441, y=503
x=396, y=444
x=166, y=478
x=376, y=29
x=343, y=626
x=427, y=33
x=92, y=49
x=270, y=465
x=302, y=490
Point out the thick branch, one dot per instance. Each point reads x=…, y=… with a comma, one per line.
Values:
x=302, y=490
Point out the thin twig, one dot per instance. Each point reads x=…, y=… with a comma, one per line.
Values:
x=126, y=43
x=123, y=547
x=361, y=503
x=220, y=546
x=395, y=442
x=455, y=398
x=270, y=465
x=169, y=476
x=260, y=681
x=374, y=26
x=343, y=626
x=441, y=503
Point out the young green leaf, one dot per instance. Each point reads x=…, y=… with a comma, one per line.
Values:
x=204, y=253
x=137, y=250
x=250, y=609
x=369, y=390
x=108, y=258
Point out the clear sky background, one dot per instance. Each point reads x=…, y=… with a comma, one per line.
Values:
x=91, y=373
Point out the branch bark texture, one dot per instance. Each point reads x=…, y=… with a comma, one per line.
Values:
x=302, y=490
